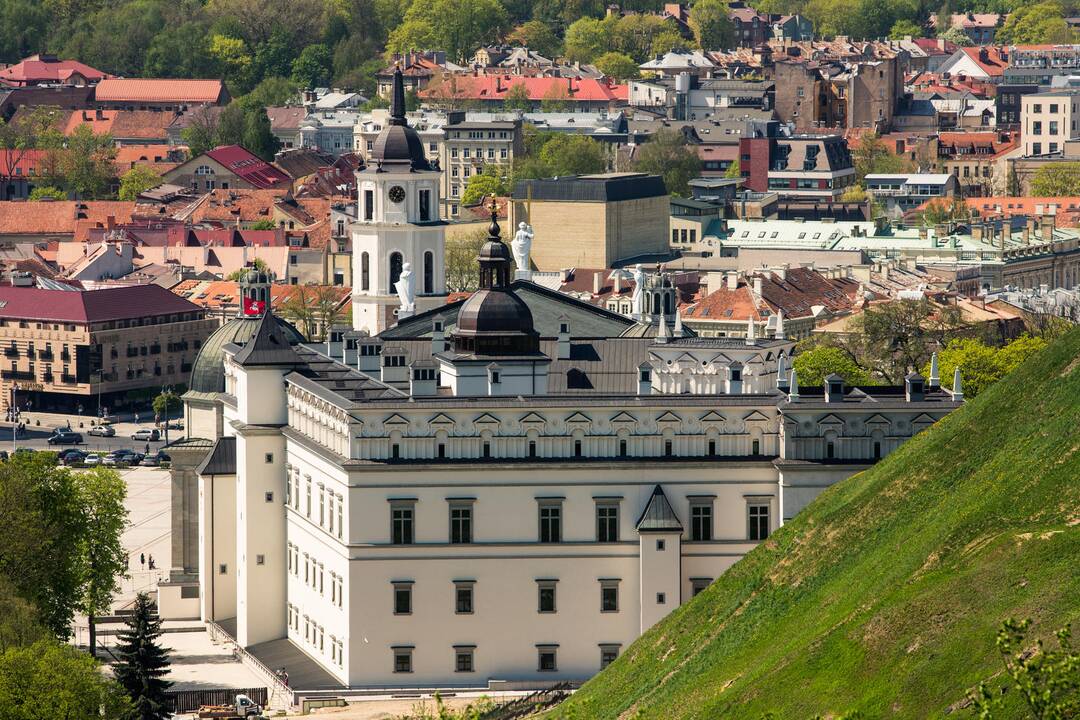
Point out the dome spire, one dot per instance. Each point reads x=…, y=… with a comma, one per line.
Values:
x=397, y=98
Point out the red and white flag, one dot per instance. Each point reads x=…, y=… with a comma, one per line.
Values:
x=253, y=306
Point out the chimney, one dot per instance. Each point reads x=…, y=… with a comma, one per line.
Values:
x=781, y=272
x=1046, y=225
x=597, y=282
x=977, y=232
x=617, y=282
x=438, y=339
x=731, y=279
x=922, y=232
x=110, y=222
x=757, y=285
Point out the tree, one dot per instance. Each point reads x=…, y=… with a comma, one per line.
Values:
x=734, y=171
x=871, y=155
x=981, y=365
x=667, y=154
x=557, y=99
x=183, y=52
x=314, y=309
x=854, y=194
x=537, y=36
x=256, y=21
x=667, y=40
x=24, y=133
x=86, y=164
x=637, y=34
x=258, y=138
x=234, y=59
x=1047, y=679
x=956, y=36
x=201, y=133
x=905, y=28
x=103, y=556
x=941, y=210
x=256, y=264
x=459, y=27
x=48, y=192
x=566, y=154
x=142, y=662
x=271, y=91
x=164, y=404
x=1059, y=179
x=136, y=181
x=814, y=365
x=587, y=39
x=617, y=65
x=712, y=28
x=264, y=225
x=413, y=33
x=1034, y=24
x=52, y=680
x=897, y=337
x=492, y=181
x=517, y=98
x=462, y=270
x=312, y=68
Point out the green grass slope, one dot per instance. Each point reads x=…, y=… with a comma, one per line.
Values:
x=884, y=596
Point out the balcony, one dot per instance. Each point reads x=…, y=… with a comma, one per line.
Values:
x=12, y=352
x=46, y=355
x=19, y=375
x=47, y=377
x=68, y=380
x=65, y=357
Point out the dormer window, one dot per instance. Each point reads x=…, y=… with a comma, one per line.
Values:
x=736, y=374
x=564, y=328
x=495, y=377
x=916, y=387
x=836, y=388
x=646, y=376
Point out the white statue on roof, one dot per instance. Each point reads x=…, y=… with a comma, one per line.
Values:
x=406, y=290
x=638, y=298
x=520, y=246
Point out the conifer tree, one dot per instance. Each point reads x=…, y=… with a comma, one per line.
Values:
x=143, y=663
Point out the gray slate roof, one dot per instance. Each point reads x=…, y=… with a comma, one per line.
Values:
x=658, y=515
x=221, y=460
x=269, y=346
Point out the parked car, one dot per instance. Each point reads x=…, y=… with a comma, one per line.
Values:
x=102, y=431
x=150, y=461
x=146, y=434
x=66, y=438
x=92, y=459
x=72, y=456
x=175, y=424
x=24, y=451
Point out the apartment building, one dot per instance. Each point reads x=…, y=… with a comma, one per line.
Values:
x=65, y=350
x=1048, y=120
x=794, y=166
x=468, y=147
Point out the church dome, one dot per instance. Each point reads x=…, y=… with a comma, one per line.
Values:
x=208, y=372
x=398, y=143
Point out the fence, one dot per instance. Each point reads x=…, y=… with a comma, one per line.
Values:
x=525, y=706
x=187, y=701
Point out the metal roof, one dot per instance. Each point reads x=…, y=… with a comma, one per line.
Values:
x=221, y=460
x=658, y=515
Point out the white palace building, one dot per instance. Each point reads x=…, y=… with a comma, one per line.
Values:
x=509, y=488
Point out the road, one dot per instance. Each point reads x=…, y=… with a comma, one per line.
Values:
x=36, y=437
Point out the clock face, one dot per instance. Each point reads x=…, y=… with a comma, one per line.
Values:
x=397, y=194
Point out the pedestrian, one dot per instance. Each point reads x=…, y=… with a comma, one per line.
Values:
x=285, y=676
x=147, y=447
x=151, y=562
x=136, y=418
x=142, y=560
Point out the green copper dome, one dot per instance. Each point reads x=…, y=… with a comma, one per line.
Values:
x=208, y=372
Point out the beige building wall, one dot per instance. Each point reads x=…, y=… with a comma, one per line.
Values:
x=1048, y=120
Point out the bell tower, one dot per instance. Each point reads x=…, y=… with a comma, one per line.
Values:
x=397, y=224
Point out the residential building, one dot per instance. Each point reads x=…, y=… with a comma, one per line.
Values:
x=792, y=27
x=470, y=146
x=1048, y=120
x=73, y=350
x=285, y=125
x=229, y=167
x=417, y=69
x=751, y=27
x=979, y=27
x=19, y=169
x=595, y=221
x=985, y=62
x=45, y=69
x=1065, y=210
x=329, y=131
x=689, y=97
x=977, y=160
x=489, y=92
x=840, y=94
x=677, y=62
x=1007, y=102
x=900, y=193
x=794, y=166
x=159, y=93
x=58, y=220
x=1041, y=64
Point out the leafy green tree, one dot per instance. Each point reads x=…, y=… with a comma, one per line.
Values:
x=136, y=181
x=26, y=24
x=517, y=98
x=1059, y=179
x=567, y=154
x=180, y=52
x=230, y=125
x=814, y=365
x=167, y=400
x=462, y=271
x=538, y=36
x=142, y=663
x=982, y=365
x=617, y=65
x=202, y=131
x=637, y=35
x=871, y=155
x=587, y=39
x=712, y=28
x=233, y=57
x=103, y=556
x=25, y=132
x=410, y=34
x=312, y=68
x=258, y=137
x=905, y=28
x=48, y=192
x=263, y=225
x=256, y=264
x=257, y=21
x=20, y=624
x=667, y=40
x=459, y=27
x=956, y=36
x=897, y=337
x=1035, y=24
x=734, y=170
x=274, y=57
x=86, y=164
x=492, y=181
x=667, y=154
x=271, y=91
x=52, y=680
x=1047, y=679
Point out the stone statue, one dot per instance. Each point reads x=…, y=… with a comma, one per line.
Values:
x=521, y=246
x=638, y=297
x=406, y=290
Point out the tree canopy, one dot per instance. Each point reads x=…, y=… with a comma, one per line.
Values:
x=136, y=181
x=814, y=365
x=1058, y=179
x=667, y=154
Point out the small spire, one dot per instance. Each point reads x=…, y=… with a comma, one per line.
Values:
x=662, y=333
x=957, y=388
x=934, y=380
x=751, y=333
x=678, y=323
x=397, y=98
x=780, y=325
x=793, y=386
x=494, y=231
x=781, y=372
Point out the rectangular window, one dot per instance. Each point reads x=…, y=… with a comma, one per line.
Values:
x=322, y=504
x=609, y=596
x=661, y=598
x=759, y=521
x=307, y=497
x=699, y=584
x=403, y=660
x=460, y=524
x=463, y=598
x=545, y=596
x=550, y=523
x=608, y=654
x=340, y=515
x=607, y=523
x=463, y=660
x=330, y=515
x=546, y=658
x=532, y=448
x=701, y=521
x=403, y=599
x=369, y=204
x=401, y=524
x=425, y=205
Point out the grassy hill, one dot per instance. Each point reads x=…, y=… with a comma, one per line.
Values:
x=884, y=596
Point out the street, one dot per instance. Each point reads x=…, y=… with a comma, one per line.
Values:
x=36, y=436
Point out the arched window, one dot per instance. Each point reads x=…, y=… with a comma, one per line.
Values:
x=429, y=272
x=365, y=272
x=668, y=309
x=395, y=270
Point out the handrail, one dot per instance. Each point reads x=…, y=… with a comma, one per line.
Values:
x=274, y=682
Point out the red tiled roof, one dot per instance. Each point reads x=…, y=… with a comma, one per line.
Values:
x=61, y=217
x=159, y=90
x=1066, y=210
x=796, y=295
x=991, y=140
x=34, y=70
x=217, y=294
x=123, y=124
x=990, y=59
x=538, y=88
x=247, y=166
x=155, y=157
x=286, y=118
x=16, y=163
x=120, y=303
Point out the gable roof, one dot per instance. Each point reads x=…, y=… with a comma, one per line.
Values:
x=247, y=166
x=486, y=87
x=160, y=90
x=48, y=69
x=658, y=515
x=269, y=346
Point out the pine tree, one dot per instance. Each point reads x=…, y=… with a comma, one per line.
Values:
x=143, y=663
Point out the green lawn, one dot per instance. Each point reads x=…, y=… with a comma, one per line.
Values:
x=884, y=596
